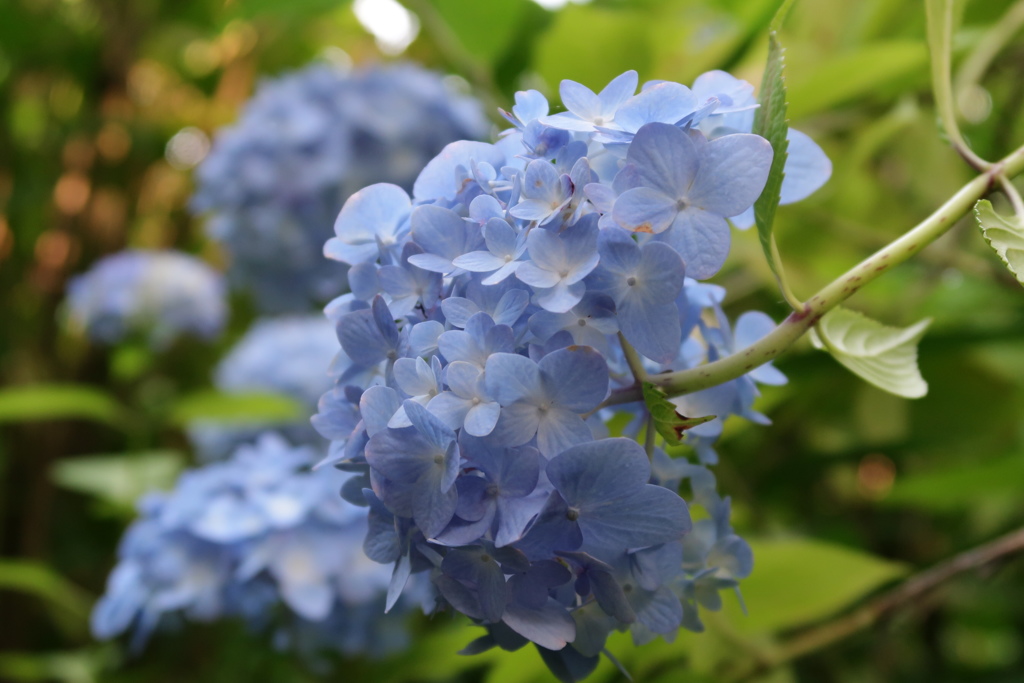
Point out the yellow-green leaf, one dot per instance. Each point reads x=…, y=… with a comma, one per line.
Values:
x=212, y=406
x=797, y=581
x=59, y=401
x=884, y=356
x=119, y=479
x=1004, y=235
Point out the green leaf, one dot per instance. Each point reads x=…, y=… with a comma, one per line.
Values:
x=293, y=11
x=1004, y=235
x=796, y=581
x=855, y=75
x=770, y=122
x=67, y=604
x=884, y=356
x=668, y=421
x=57, y=402
x=501, y=17
x=593, y=45
x=961, y=487
x=213, y=406
x=119, y=479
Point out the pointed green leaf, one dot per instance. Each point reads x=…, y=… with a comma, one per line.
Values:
x=59, y=401
x=1004, y=235
x=212, y=406
x=771, y=123
x=884, y=356
x=669, y=422
x=796, y=581
x=780, y=14
x=119, y=479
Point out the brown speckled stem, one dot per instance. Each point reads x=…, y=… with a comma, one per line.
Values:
x=833, y=294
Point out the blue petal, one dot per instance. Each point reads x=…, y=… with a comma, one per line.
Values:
x=652, y=329
x=482, y=418
x=458, y=310
x=450, y=409
x=660, y=610
x=661, y=273
x=361, y=338
x=644, y=209
x=551, y=531
x=536, y=276
x=561, y=297
x=549, y=626
x=733, y=170
x=511, y=306
x=375, y=211
x=442, y=233
x=560, y=429
x=438, y=179
x=665, y=158
x=620, y=89
x=511, y=377
x=650, y=516
x=479, y=262
x=530, y=105
x=702, y=240
x=362, y=280
x=602, y=470
x=807, y=168
x=399, y=577
x=517, y=424
x=663, y=103
x=579, y=99
x=433, y=507
x=575, y=378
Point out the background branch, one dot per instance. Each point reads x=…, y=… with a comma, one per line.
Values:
x=904, y=594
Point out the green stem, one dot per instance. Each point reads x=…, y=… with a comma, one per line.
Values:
x=780, y=276
x=973, y=68
x=1011, y=193
x=636, y=365
x=833, y=294
x=650, y=436
x=940, y=39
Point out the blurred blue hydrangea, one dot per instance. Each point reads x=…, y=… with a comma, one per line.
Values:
x=153, y=295
x=287, y=355
x=274, y=181
x=489, y=317
x=242, y=537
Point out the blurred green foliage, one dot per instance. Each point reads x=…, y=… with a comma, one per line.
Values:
x=849, y=490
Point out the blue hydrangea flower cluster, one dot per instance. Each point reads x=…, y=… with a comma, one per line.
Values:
x=155, y=295
x=286, y=355
x=489, y=317
x=274, y=181
x=239, y=538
